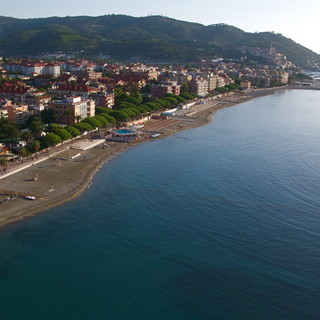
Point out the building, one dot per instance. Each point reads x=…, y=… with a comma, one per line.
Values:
x=52, y=69
x=87, y=74
x=133, y=80
x=72, y=109
x=68, y=90
x=199, y=86
x=283, y=77
x=66, y=78
x=37, y=101
x=15, y=91
x=212, y=81
x=245, y=84
x=18, y=113
x=4, y=108
x=103, y=99
x=165, y=87
x=31, y=68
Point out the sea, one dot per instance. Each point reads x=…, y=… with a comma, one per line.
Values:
x=218, y=222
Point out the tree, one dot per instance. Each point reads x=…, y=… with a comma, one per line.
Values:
x=133, y=100
x=187, y=96
x=109, y=118
x=48, y=116
x=22, y=152
x=59, y=130
x=180, y=99
x=185, y=87
x=73, y=131
x=101, y=119
x=36, y=127
x=125, y=105
x=93, y=122
x=143, y=108
x=35, y=146
x=119, y=115
x=100, y=110
x=52, y=127
x=137, y=96
x=136, y=111
x=27, y=136
x=63, y=134
x=50, y=140
x=8, y=129
x=83, y=126
x=173, y=101
x=130, y=113
x=4, y=163
x=119, y=95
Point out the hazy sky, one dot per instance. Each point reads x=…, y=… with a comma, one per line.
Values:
x=294, y=19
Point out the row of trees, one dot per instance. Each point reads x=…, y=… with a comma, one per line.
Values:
x=55, y=134
x=127, y=106
x=227, y=88
x=134, y=105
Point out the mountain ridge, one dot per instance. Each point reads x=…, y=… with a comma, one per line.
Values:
x=151, y=37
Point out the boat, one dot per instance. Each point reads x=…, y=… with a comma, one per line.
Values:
x=30, y=198
x=155, y=135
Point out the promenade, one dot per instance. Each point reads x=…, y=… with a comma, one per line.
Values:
x=81, y=143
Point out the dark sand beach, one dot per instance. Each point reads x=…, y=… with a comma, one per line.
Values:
x=61, y=181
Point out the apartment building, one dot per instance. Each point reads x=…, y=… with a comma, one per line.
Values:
x=160, y=90
x=72, y=109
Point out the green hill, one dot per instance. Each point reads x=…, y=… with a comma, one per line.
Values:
x=153, y=37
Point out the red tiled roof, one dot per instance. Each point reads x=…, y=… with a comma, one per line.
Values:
x=15, y=89
x=43, y=76
x=131, y=78
x=77, y=88
x=65, y=77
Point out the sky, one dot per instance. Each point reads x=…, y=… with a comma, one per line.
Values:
x=297, y=20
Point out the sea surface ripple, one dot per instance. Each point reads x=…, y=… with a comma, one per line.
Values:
x=219, y=222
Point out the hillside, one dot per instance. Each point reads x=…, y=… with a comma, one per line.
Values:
x=154, y=37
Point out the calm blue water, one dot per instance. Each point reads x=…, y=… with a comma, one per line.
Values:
x=220, y=222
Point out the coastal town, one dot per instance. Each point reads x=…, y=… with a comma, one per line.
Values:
x=76, y=114
x=159, y=160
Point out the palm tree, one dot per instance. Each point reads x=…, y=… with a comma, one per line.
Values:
x=36, y=147
x=36, y=127
x=27, y=137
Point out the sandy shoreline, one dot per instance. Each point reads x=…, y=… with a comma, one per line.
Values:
x=60, y=183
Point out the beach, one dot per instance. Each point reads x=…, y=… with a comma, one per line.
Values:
x=59, y=181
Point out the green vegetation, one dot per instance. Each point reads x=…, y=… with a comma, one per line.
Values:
x=152, y=37
x=227, y=88
x=59, y=131
x=4, y=163
x=188, y=95
x=8, y=129
x=83, y=126
x=299, y=77
x=93, y=122
x=50, y=140
x=73, y=131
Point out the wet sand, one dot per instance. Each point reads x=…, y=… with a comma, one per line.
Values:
x=61, y=181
